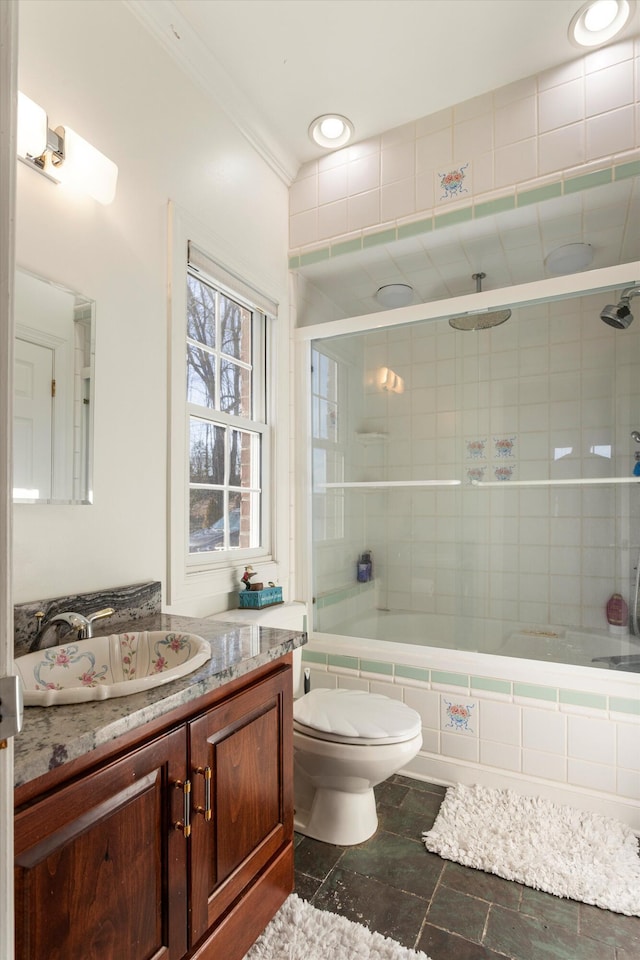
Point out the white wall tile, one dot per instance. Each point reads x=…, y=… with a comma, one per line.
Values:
x=516, y=121
x=628, y=746
x=363, y=175
x=594, y=776
x=397, y=200
x=610, y=132
x=561, y=148
x=628, y=783
x=500, y=722
x=591, y=739
x=427, y=703
x=460, y=748
x=610, y=88
x=398, y=162
x=332, y=219
x=515, y=162
x=561, y=105
x=501, y=755
x=332, y=184
x=544, y=730
x=364, y=210
x=434, y=151
x=547, y=766
x=303, y=194
x=352, y=683
x=303, y=228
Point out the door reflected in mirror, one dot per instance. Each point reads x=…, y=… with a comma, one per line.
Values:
x=53, y=392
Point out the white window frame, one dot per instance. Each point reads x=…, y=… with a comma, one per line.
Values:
x=191, y=576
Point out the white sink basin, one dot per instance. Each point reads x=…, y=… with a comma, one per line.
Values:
x=104, y=667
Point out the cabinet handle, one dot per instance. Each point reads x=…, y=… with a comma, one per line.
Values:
x=185, y=823
x=206, y=810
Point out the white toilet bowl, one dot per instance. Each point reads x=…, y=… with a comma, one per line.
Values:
x=345, y=742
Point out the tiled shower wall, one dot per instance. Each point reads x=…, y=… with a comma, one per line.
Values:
x=520, y=140
x=549, y=395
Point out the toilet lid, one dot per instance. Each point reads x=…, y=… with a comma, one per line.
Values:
x=355, y=716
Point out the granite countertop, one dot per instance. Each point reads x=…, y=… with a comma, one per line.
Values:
x=54, y=735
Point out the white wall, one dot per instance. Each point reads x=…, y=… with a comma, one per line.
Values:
x=93, y=67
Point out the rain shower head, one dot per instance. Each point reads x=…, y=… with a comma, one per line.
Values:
x=479, y=321
x=619, y=315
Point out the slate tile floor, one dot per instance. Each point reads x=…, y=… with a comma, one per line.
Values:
x=392, y=884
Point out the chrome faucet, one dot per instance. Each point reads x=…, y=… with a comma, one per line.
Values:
x=82, y=625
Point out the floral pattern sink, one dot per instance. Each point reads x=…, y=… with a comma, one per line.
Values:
x=104, y=667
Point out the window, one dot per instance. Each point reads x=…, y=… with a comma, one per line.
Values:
x=328, y=451
x=226, y=411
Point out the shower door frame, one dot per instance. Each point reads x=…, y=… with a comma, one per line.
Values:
x=572, y=285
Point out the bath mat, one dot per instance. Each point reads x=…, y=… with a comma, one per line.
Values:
x=569, y=853
x=301, y=932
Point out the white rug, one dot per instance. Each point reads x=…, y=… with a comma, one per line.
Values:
x=567, y=852
x=301, y=932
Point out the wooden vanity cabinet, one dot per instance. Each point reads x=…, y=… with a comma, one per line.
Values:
x=125, y=862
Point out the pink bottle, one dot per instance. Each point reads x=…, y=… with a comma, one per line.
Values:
x=617, y=614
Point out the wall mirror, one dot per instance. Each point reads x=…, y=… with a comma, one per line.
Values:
x=53, y=392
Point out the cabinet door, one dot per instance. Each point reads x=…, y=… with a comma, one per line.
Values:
x=100, y=868
x=246, y=744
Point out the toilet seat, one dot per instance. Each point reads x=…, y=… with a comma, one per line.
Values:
x=356, y=717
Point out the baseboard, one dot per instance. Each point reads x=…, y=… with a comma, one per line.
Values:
x=447, y=772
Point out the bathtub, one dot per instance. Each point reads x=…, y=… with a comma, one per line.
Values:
x=583, y=648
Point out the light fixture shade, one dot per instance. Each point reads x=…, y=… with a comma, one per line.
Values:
x=85, y=169
x=32, y=128
x=570, y=258
x=394, y=295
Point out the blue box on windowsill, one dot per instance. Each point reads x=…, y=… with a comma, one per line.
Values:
x=257, y=599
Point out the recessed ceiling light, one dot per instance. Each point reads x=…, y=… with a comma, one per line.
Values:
x=599, y=21
x=570, y=258
x=394, y=295
x=331, y=130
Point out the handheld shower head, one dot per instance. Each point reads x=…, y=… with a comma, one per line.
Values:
x=619, y=315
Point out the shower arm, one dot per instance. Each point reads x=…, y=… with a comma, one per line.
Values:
x=630, y=292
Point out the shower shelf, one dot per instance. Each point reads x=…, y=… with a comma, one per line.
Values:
x=576, y=481
x=369, y=484
x=367, y=438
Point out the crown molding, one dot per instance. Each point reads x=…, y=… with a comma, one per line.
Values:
x=163, y=20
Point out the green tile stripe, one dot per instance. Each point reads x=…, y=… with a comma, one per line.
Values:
x=453, y=679
x=347, y=663
x=535, y=692
x=346, y=246
x=488, y=207
x=475, y=210
x=624, y=170
x=312, y=656
x=411, y=673
x=624, y=705
x=453, y=217
x=577, y=698
x=315, y=256
x=415, y=229
x=537, y=194
x=488, y=683
x=587, y=180
x=377, y=666
x=383, y=236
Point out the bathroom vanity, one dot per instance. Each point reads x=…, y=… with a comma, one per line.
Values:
x=160, y=825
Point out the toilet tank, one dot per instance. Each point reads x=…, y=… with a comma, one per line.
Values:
x=281, y=616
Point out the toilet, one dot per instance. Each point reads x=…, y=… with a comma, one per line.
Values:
x=345, y=742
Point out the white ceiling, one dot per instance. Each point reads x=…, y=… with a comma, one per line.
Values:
x=274, y=65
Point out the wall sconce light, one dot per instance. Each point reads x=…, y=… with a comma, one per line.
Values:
x=62, y=155
x=389, y=381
